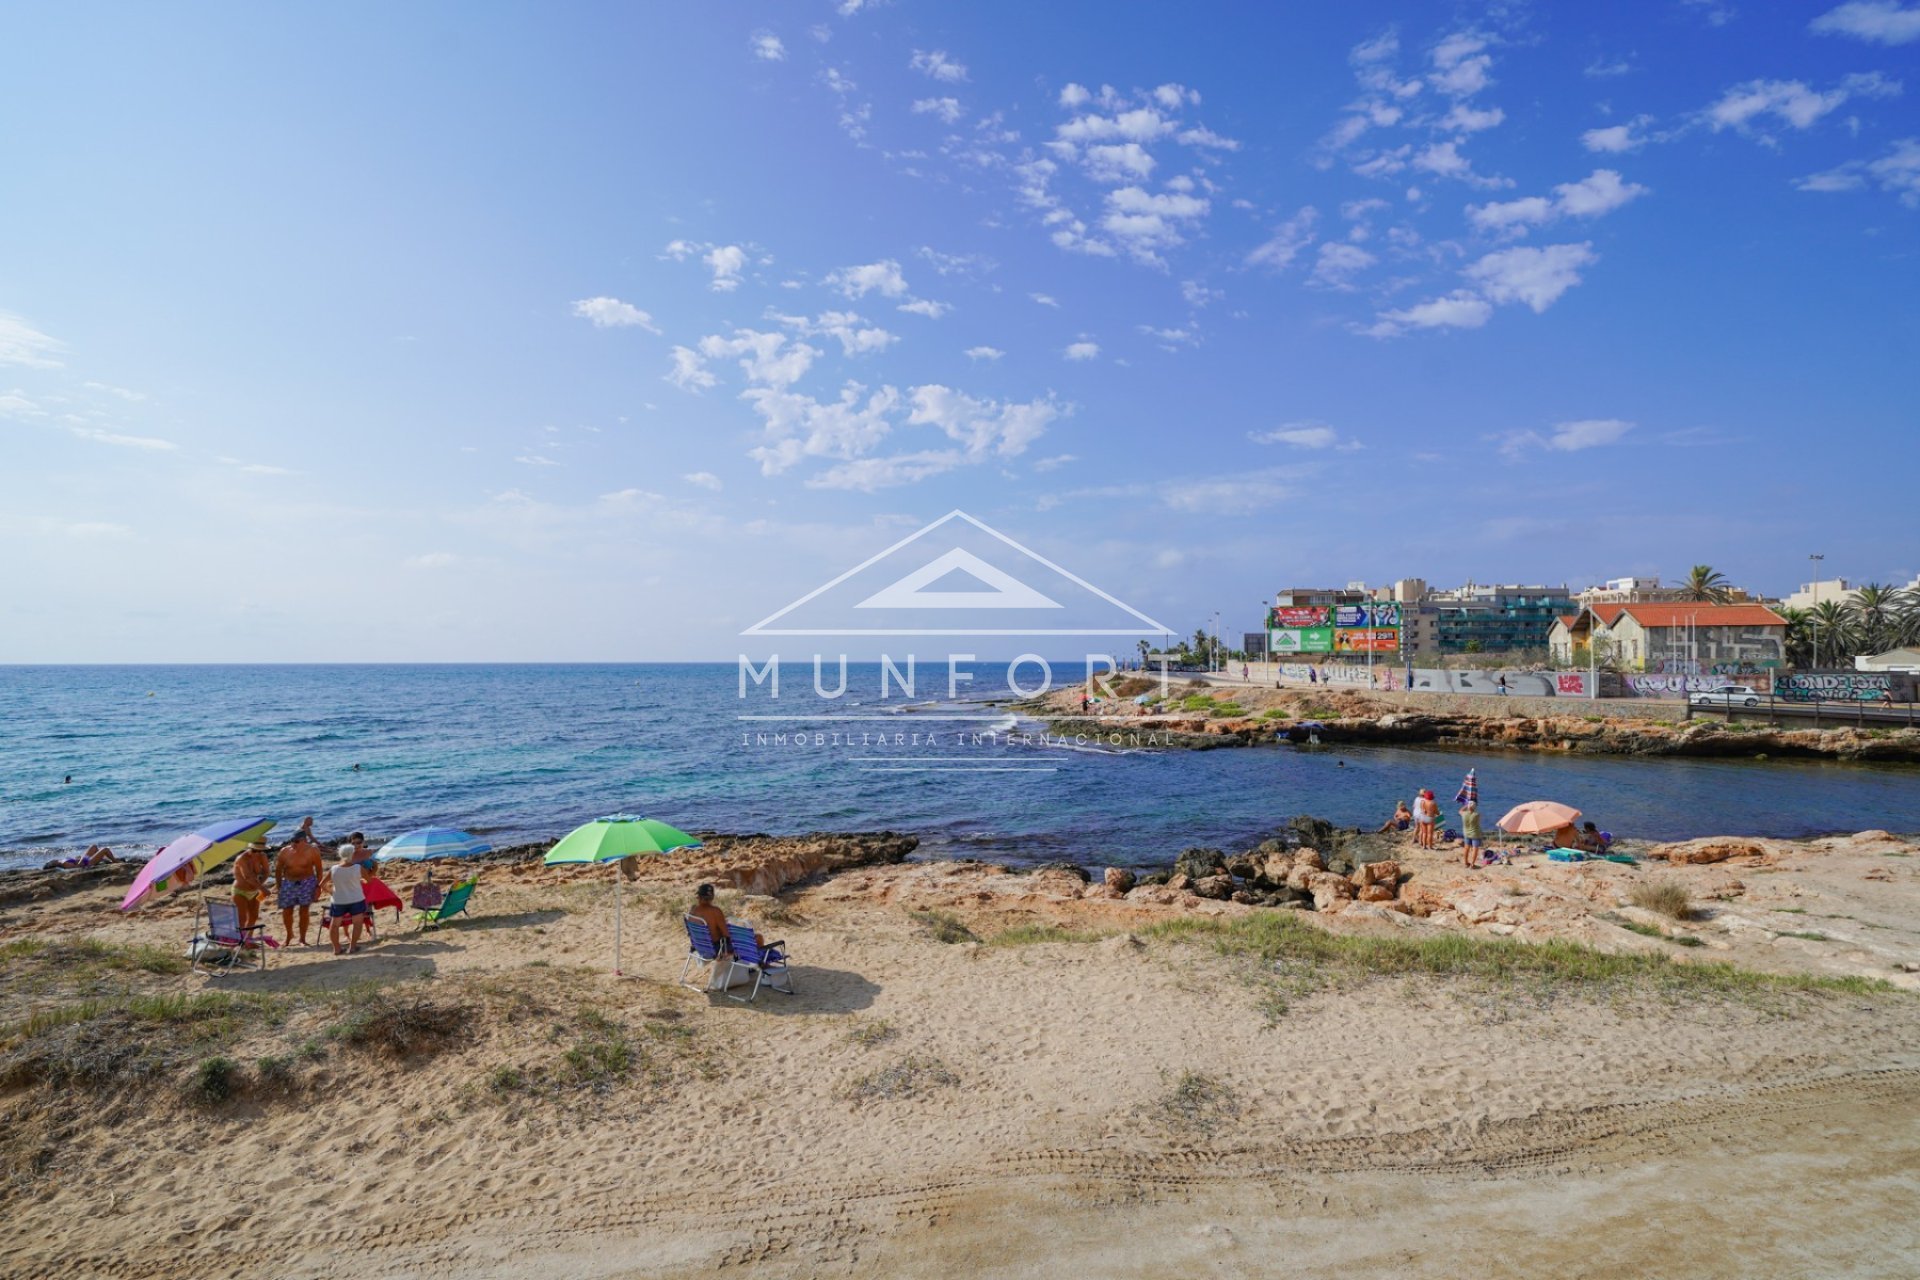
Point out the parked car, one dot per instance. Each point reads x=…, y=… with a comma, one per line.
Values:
x=1726, y=695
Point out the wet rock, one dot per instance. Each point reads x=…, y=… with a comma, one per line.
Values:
x=1066, y=868
x=1312, y=832
x=1119, y=879
x=1198, y=864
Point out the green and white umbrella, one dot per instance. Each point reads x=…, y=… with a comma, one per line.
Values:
x=615, y=837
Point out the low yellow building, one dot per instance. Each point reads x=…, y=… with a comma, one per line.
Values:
x=1680, y=636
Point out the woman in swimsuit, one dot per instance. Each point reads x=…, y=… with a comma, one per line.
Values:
x=250, y=872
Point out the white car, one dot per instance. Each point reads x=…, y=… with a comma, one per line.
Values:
x=1726, y=695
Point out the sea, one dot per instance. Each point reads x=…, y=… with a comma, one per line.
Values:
x=132, y=756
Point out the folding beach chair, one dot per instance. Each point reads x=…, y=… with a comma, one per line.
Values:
x=223, y=939
x=703, y=950
x=455, y=903
x=766, y=961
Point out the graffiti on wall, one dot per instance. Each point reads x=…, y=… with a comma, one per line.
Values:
x=1669, y=686
x=1846, y=686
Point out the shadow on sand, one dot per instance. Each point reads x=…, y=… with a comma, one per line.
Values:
x=818, y=991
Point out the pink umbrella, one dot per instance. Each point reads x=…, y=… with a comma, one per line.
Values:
x=1537, y=816
x=202, y=851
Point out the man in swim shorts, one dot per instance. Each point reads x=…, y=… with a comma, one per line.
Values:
x=296, y=873
x=250, y=872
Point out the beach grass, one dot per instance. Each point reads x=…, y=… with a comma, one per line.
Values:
x=943, y=926
x=907, y=1078
x=1667, y=897
x=1310, y=957
x=1195, y=1103
x=1027, y=935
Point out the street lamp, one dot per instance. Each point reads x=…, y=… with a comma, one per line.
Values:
x=1814, y=586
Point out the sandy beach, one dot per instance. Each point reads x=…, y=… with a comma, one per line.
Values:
x=989, y=1073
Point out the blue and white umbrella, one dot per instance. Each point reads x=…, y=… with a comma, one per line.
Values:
x=432, y=842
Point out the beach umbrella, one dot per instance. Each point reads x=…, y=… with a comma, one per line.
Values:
x=1470, y=789
x=612, y=838
x=203, y=850
x=432, y=842
x=1537, y=816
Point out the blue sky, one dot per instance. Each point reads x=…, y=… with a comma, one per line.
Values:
x=455, y=332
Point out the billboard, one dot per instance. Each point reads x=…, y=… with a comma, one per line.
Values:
x=1367, y=615
x=1301, y=639
x=1367, y=640
x=1296, y=616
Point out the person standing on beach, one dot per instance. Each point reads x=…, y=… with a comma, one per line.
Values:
x=296, y=874
x=1425, y=810
x=250, y=872
x=1470, y=834
x=363, y=858
x=349, y=906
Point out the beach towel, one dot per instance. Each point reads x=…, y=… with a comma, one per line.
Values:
x=379, y=895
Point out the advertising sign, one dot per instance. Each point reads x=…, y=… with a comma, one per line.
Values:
x=1367, y=615
x=1371, y=640
x=1298, y=617
x=1302, y=640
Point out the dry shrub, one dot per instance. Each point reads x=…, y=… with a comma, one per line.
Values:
x=1667, y=897
x=405, y=1026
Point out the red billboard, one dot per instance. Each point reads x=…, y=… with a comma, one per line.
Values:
x=1296, y=616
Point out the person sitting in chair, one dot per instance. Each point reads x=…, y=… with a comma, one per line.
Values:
x=715, y=919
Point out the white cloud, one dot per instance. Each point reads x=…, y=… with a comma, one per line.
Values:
x=1288, y=239
x=1207, y=139
x=854, y=334
x=1897, y=172
x=869, y=474
x=1465, y=119
x=983, y=427
x=1792, y=102
x=1074, y=95
x=1118, y=162
x=1536, y=277
x=1145, y=222
x=882, y=277
x=926, y=307
x=1082, y=351
x=765, y=357
x=1461, y=309
x=132, y=397
x=611, y=313
x=1443, y=160
x=1054, y=463
x=1170, y=339
x=1617, y=139
x=1460, y=65
x=1565, y=437
x=1879, y=21
x=957, y=264
x=1600, y=192
x=984, y=353
x=1338, y=263
x=1301, y=435
x=150, y=444
x=938, y=66
x=703, y=480
x=948, y=109
x=1606, y=69
x=798, y=426
x=1231, y=495
x=1198, y=295
x=535, y=460
x=726, y=261
x=689, y=372
x=22, y=344
x=766, y=46
x=1044, y=299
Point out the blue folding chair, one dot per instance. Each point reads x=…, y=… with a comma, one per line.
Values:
x=702, y=949
x=767, y=961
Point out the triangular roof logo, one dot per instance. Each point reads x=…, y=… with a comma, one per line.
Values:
x=958, y=577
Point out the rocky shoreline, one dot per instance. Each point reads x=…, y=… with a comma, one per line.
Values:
x=1197, y=716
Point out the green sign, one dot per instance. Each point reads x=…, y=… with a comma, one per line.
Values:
x=1301, y=640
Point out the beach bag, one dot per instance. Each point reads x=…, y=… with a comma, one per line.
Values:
x=427, y=896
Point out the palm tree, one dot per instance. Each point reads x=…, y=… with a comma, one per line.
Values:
x=1706, y=585
x=1833, y=634
x=1872, y=610
x=1799, y=637
x=1906, y=619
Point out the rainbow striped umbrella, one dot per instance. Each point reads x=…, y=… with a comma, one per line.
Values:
x=200, y=852
x=1470, y=789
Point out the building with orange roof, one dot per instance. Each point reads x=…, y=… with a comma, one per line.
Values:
x=1681, y=637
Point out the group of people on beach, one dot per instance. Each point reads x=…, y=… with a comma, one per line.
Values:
x=1423, y=819
x=296, y=872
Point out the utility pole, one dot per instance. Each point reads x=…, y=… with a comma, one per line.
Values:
x=1814, y=586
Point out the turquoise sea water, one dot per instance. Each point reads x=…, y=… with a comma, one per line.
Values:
x=526, y=752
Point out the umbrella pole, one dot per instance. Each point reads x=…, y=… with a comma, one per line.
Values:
x=619, y=899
